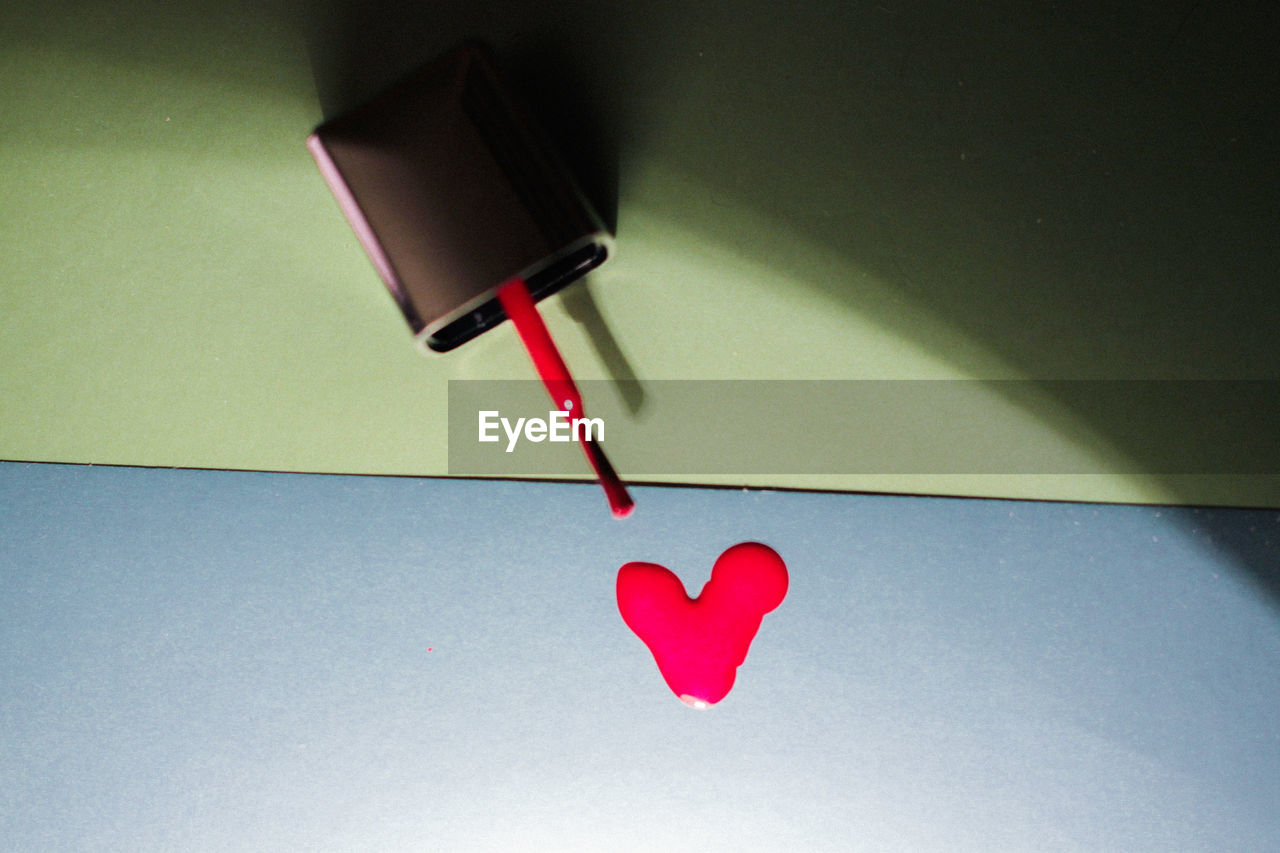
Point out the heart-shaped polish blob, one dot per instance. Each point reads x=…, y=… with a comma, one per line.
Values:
x=699, y=643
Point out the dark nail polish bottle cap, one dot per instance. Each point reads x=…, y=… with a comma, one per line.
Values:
x=453, y=191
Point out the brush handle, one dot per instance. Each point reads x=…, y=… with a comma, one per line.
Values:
x=519, y=306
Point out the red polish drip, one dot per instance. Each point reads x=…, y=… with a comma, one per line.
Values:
x=699, y=643
x=519, y=306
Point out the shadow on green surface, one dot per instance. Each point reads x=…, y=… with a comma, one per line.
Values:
x=1088, y=192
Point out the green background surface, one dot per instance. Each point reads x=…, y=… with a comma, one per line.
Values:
x=810, y=191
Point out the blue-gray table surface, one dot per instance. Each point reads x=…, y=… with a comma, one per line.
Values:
x=211, y=660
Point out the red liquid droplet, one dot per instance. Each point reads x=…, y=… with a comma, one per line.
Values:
x=699, y=643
